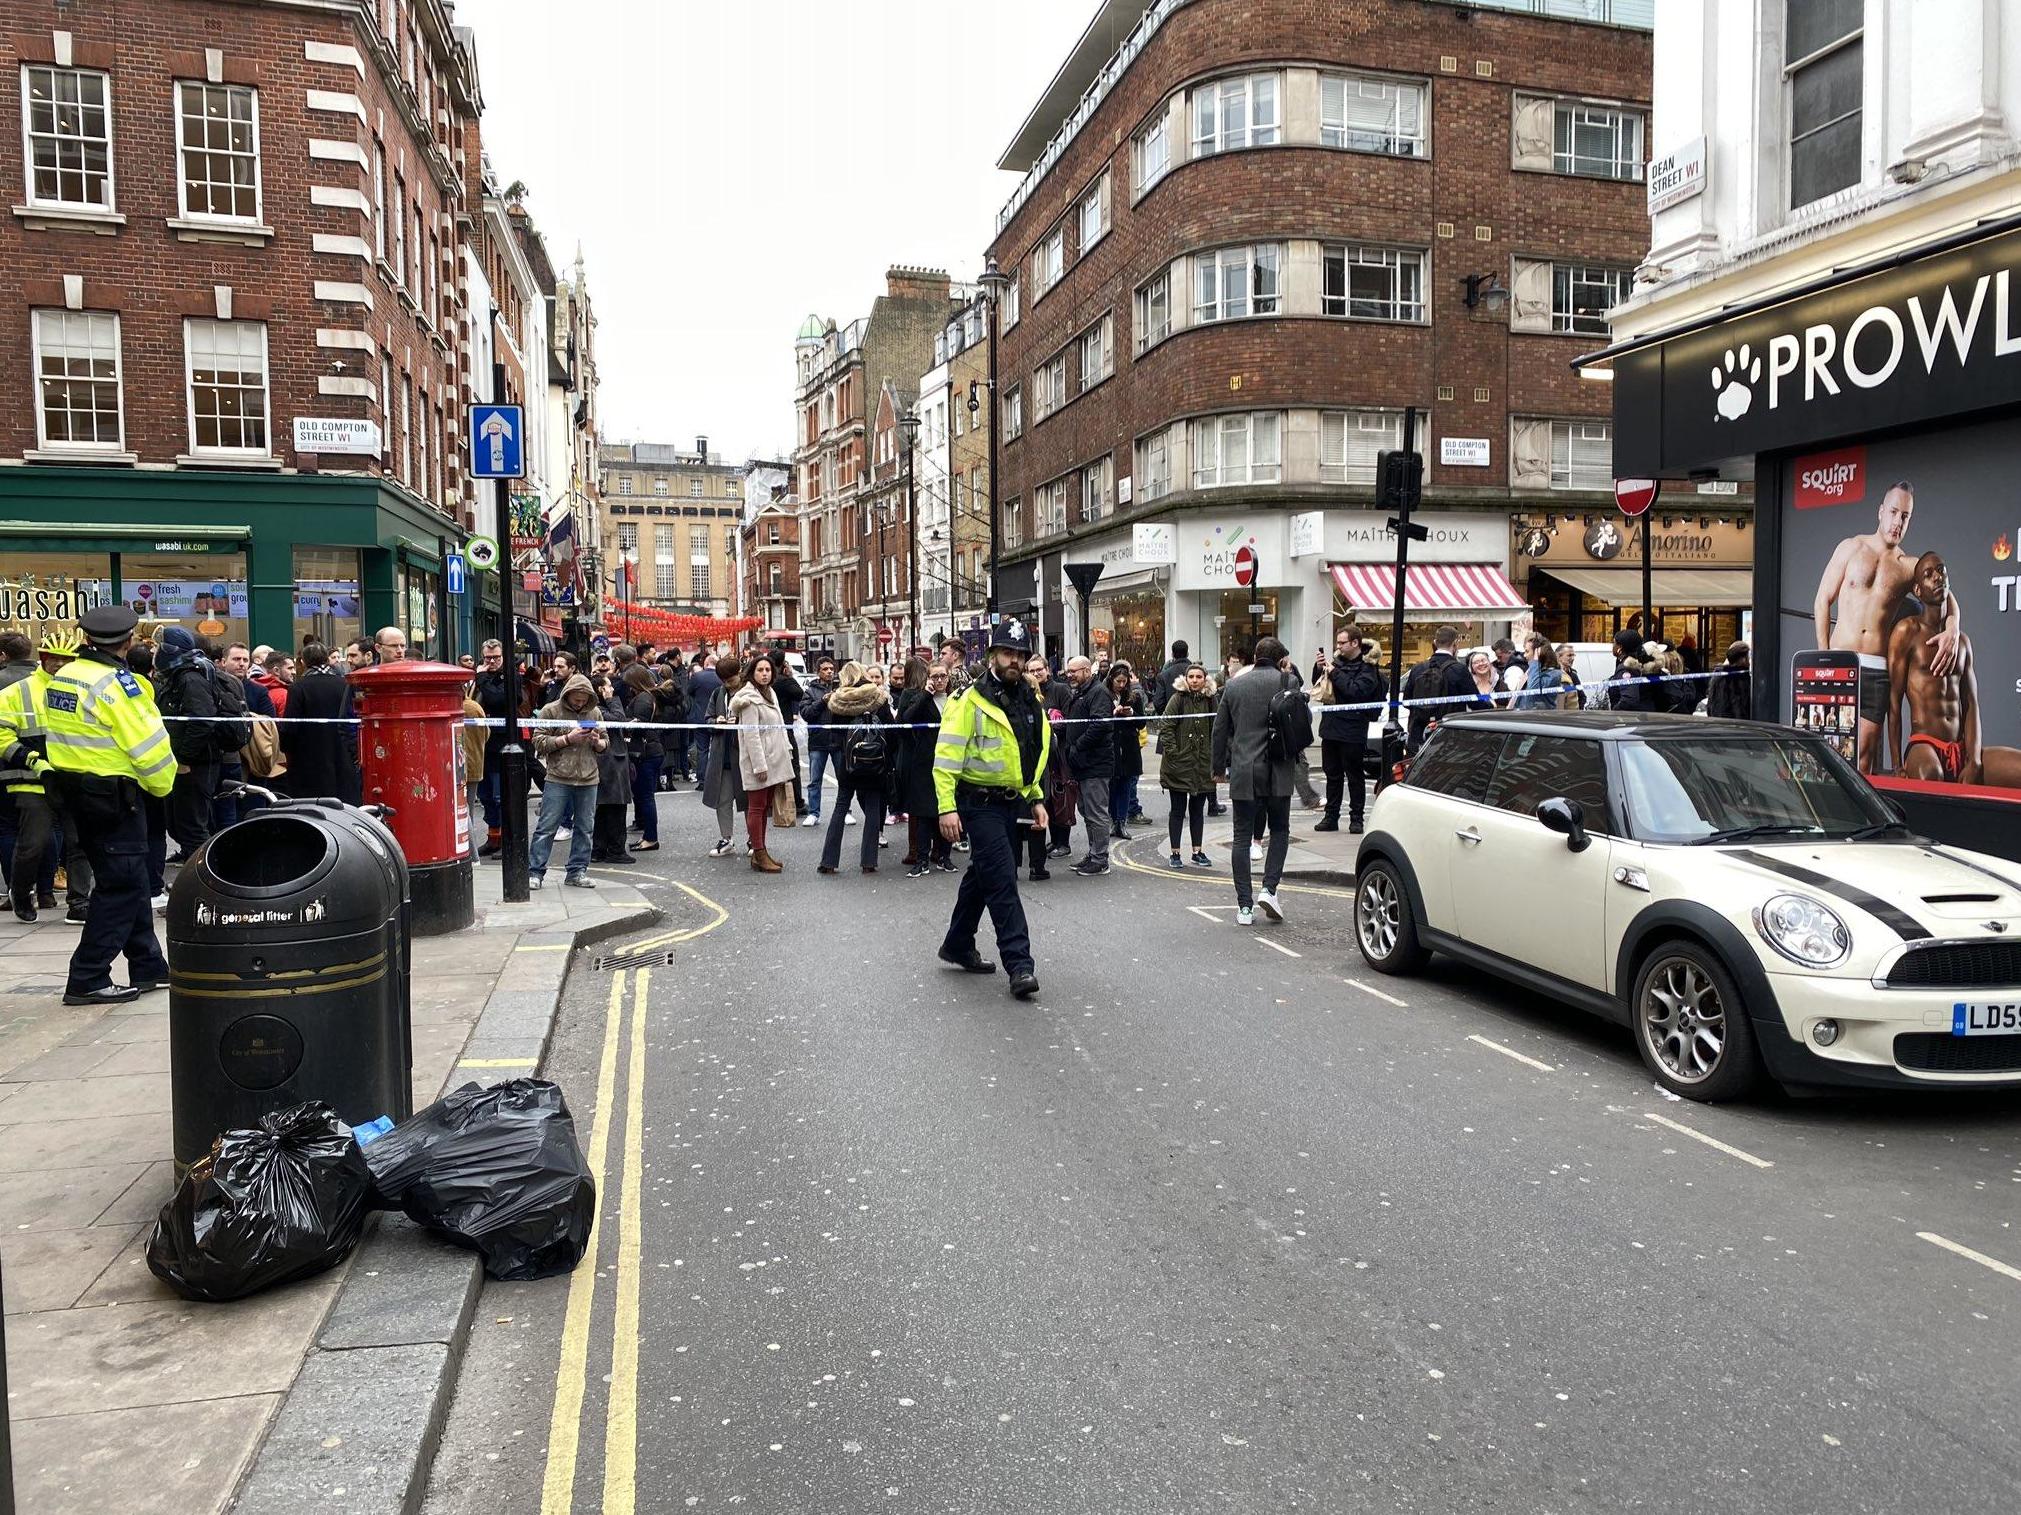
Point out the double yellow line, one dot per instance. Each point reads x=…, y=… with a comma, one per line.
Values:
x=621, y=1418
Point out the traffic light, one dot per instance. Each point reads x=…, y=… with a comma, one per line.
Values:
x=1398, y=478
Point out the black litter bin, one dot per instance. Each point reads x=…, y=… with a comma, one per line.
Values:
x=288, y=973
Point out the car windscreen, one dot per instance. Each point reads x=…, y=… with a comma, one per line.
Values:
x=1742, y=789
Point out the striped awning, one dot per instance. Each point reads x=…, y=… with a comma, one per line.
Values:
x=1432, y=591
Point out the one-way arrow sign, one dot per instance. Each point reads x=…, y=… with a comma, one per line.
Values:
x=496, y=442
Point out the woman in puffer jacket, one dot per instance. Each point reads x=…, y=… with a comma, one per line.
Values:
x=859, y=709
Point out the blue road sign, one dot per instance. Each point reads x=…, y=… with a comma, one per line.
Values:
x=497, y=442
x=453, y=571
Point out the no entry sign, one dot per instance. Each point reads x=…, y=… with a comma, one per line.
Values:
x=1245, y=566
x=1635, y=496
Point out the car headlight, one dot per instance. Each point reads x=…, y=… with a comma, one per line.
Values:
x=1804, y=931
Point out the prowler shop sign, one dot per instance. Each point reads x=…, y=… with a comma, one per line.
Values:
x=1939, y=337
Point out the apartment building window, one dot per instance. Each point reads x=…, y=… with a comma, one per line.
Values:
x=772, y=534
x=421, y=475
x=1582, y=455
x=1049, y=262
x=659, y=487
x=1349, y=441
x=1581, y=296
x=1154, y=465
x=1013, y=413
x=1049, y=388
x=1154, y=311
x=664, y=568
x=777, y=584
x=1094, y=215
x=698, y=562
x=1013, y=300
x=1236, y=282
x=379, y=199
x=628, y=537
x=1097, y=489
x=1098, y=352
x=1366, y=114
x=419, y=250
x=1049, y=507
x=1151, y=154
x=624, y=483
x=406, y=431
x=694, y=489
x=1013, y=523
x=1372, y=283
x=218, y=129
x=67, y=115
x=1238, y=449
x=1234, y=113
x=399, y=230
x=1596, y=141
x=227, y=371
x=77, y=380
x=1826, y=74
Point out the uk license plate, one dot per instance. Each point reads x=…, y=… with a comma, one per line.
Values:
x=1985, y=1019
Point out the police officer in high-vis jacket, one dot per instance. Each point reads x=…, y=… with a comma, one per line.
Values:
x=24, y=770
x=107, y=744
x=989, y=767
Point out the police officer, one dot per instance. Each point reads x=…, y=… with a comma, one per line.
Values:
x=24, y=769
x=989, y=766
x=107, y=744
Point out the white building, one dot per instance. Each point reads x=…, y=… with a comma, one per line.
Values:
x=1831, y=307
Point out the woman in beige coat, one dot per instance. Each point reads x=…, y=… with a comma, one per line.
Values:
x=764, y=756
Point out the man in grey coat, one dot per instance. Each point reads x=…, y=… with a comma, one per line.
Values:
x=1258, y=787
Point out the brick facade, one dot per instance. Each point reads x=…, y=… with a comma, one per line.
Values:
x=339, y=89
x=1463, y=204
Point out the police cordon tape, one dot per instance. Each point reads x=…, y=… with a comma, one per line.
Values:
x=1502, y=701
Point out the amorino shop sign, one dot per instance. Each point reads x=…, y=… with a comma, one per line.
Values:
x=1932, y=339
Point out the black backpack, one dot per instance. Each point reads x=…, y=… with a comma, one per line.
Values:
x=1287, y=728
x=865, y=754
x=234, y=726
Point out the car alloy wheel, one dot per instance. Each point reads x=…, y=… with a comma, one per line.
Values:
x=1378, y=913
x=1683, y=1019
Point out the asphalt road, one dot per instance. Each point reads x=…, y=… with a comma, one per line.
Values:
x=1219, y=1222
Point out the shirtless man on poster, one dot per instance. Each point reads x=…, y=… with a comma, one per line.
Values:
x=1943, y=745
x=1866, y=576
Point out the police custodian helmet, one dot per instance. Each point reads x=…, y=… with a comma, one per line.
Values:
x=1010, y=632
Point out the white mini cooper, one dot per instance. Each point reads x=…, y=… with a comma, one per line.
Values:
x=1736, y=893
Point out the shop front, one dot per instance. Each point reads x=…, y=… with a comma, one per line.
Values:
x=1880, y=418
x=1457, y=576
x=1582, y=575
x=229, y=557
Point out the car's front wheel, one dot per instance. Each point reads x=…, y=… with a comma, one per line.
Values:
x=1690, y=1026
x=1383, y=923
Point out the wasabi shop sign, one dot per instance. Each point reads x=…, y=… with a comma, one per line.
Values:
x=1932, y=339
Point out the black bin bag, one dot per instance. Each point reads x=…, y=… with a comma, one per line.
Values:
x=264, y=1206
x=497, y=1170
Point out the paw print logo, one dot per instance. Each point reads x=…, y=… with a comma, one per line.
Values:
x=1734, y=380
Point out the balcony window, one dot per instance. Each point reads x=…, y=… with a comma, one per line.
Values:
x=1234, y=113
x=1236, y=282
x=1373, y=283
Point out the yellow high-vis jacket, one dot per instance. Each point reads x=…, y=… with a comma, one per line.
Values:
x=102, y=720
x=977, y=745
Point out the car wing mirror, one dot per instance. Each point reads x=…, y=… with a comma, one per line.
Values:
x=1568, y=819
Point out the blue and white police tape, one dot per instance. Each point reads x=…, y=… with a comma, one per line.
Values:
x=1501, y=701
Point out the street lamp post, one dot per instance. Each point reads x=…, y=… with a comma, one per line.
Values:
x=994, y=282
x=908, y=429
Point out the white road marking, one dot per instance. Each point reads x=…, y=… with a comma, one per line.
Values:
x=1267, y=942
x=1371, y=989
x=1980, y=1258
x=1512, y=1052
x=1206, y=912
x=1711, y=1141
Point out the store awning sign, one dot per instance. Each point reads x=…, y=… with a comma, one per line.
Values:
x=1936, y=338
x=1464, y=591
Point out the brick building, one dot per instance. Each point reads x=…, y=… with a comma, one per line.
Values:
x=841, y=372
x=884, y=594
x=1260, y=234
x=236, y=228
x=770, y=559
x=679, y=510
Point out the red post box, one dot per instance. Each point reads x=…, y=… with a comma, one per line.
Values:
x=410, y=751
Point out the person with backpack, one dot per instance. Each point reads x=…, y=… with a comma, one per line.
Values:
x=1263, y=725
x=859, y=721
x=1091, y=760
x=1343, y=734
x=191, y=689
x=1441, y=685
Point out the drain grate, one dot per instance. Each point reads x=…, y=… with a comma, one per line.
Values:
x=657, y=958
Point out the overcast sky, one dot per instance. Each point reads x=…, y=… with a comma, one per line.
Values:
x=729, y=166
